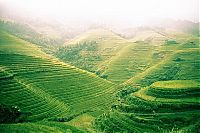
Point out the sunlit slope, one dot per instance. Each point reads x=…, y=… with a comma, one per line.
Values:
x=11, y=44
x=43, y=87
x=186, y=91
x=106, y=38
x=92, y=48
x=145, y=50
x=183, y=64
x=116, y=58
x=153, y=35
x=131, y=60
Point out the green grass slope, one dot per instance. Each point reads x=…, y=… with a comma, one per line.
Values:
x=148, y=49
x=26, y=32
x=181, y=62
x=44, y=127
x=91, y=49
x=158, y=108
x=113, y=57
x=131, y=60
x=163, y=97
x=184, y=91
x=11, y=44
x=44, y=88
x=142, y=52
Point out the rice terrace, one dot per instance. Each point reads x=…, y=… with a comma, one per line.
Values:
x=91, y=66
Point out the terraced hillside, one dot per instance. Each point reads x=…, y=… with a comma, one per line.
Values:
x=91, y=49
x=161, y=98
x=45, y=88
x=181, y=63
x=156, y=74
x=145, y=50
x=42, y=126
x=26, y=32
x=165, y=106
x=118, y=59
x=129, y=62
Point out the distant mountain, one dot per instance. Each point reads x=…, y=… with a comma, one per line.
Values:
x=162, y=26
x=178, y=25
x=25, y=32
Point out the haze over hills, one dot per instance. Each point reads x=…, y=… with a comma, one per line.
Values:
x=99, y=66
x=110, y=57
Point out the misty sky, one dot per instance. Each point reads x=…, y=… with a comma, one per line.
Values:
x=126, y=11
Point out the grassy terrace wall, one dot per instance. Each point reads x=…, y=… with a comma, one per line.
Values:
x=143, y=112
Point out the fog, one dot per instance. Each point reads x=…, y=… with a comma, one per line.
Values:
x=121, y=12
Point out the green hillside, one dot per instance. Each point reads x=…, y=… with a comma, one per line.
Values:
x=142, y=52
x=116, y=59
x=42, y=126
x=182, y=63
x=91, y=49
x=164, y=97
x=147, y=84
x=156, y=109
x=111, y=56
x=44, y=88
x=27, y=33
x=129, y=61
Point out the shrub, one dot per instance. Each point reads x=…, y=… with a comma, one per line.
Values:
x=9, y=114
x=170, y=42
x=104, y=76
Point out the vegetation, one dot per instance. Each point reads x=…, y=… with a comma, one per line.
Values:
x=168, y=42
x=26, y=33
x=91, y=50
x=82, y=55
x=9, y=114
x=107, y=84
x=150, y=110
x=45, y=87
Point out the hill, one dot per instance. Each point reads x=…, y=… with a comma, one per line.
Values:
x=164, y=106
x=27, y=33
x=90, y=49
x=156, y=74
x=143, y=51
x=117, y=59
x=131, y=60
x=163, y=97
x=44, y=88
x=181, y=63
